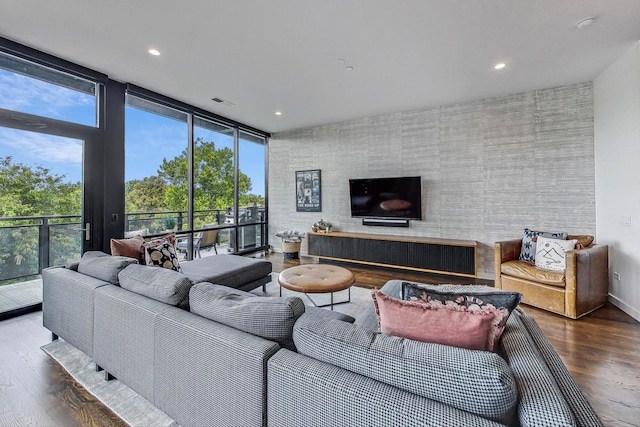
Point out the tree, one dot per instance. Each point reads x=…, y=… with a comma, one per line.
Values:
x=26, y=191
x=35, y=191
x=213, y=178
x=146, y=195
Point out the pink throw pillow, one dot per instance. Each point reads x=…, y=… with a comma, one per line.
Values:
x=131, y=248
x=449, y=324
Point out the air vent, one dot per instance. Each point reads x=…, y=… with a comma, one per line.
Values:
x=222, y=101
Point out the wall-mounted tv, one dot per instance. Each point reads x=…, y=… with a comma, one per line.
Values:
x=386, y=197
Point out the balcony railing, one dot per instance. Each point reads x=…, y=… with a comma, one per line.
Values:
x=32, y=243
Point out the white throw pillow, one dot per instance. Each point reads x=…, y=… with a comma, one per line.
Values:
x=551, y=253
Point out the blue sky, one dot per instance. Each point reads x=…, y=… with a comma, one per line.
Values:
x=149, y=137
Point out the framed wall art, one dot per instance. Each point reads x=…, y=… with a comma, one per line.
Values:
x=308, y=191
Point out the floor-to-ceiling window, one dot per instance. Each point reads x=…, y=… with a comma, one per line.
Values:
x=48, y=131
x=252, y=199
x=69, y=181
x=192, y=174
x=156, y=169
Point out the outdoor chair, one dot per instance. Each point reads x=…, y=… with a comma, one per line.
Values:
x=205, y=239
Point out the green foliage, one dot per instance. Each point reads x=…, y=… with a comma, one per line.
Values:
x=146, y=195
x=35, y=191
x=213, y=179
x=27, y=191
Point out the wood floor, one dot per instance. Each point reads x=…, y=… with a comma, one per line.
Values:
x=602, y=351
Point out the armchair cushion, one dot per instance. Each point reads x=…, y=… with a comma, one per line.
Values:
x=526, y=270
x=551, y=253
x=584, y=240
x=529, y=238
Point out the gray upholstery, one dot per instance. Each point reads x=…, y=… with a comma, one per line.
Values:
x=271, y=318
x=209, y=374
x=162, y=284
x=328, y=314
x=302, y=391
x=578, y=403
x=103, y=266
x=124, y=336
x=67, y=305
x=453, y=376
x=541, y=402
x=229, y=270
x=202, y=372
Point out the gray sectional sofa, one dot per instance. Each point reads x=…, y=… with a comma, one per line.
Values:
x=236, y=359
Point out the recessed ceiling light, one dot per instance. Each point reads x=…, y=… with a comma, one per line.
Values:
x=585, y=22
x=499, y=66
x=154, y=52
x=278, y=113
x=349, y=68
x=223, y=101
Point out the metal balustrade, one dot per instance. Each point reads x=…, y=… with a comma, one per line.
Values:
x=32, y=243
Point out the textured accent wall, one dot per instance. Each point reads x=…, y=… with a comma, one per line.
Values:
x=489, y=168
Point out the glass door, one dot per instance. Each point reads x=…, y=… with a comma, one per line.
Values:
x=49, y=129
x=41, y=211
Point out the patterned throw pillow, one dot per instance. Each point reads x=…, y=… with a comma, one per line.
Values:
x=162, y=253
x=452, y=325
x=473, y=298
x=529, y=239
x=551, y=253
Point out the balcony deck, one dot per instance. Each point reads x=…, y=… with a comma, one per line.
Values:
x=20, y=295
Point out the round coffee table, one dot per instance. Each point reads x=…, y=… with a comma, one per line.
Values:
x=317, y=279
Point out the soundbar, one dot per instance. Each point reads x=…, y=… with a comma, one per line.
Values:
x=385, y=222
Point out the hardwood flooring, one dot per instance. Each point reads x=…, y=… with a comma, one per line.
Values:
x=35, y=390
x=602, y=351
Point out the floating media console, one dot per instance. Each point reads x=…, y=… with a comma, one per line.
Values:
x=424, y=254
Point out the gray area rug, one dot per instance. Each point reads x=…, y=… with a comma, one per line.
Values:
x=134, y=409
x=124, y=402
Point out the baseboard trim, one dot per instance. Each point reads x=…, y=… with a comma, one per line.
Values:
x=624, y=307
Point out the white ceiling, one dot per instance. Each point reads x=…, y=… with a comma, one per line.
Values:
x=283, y=55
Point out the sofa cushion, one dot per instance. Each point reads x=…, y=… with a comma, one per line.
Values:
x=529, y=238
x=550, y=253
x=103, y=266
x=525, y=270
x=161, y=284
x=328, y=314
x=131, y=248
x=479, y=382
x=443, y=324
x=267, y=317
x=471, y=296
x=229, y=270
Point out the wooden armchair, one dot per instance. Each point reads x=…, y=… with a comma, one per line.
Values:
x=580, y=289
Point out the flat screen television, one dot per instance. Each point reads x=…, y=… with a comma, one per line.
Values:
x=386, y=197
